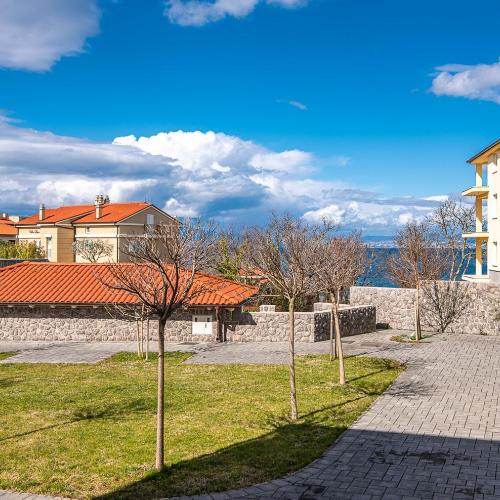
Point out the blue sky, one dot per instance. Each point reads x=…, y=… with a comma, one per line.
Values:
x=363, y=111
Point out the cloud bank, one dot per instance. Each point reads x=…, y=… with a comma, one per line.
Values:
x=211, y=174
x=34, y=34
x=481, y=81
x=201, y=12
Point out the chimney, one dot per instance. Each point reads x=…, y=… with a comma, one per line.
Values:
x=4, y=215
x=99, y=202
x=41, y=212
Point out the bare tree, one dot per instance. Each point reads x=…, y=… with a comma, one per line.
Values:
x=287, y=253
x=162, y=276
x=445, y=301
x=346, y=260
x=92, y=250
x=419, y=257
x=452, y=219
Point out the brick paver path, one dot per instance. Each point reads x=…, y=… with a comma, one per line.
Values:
x=434, y=434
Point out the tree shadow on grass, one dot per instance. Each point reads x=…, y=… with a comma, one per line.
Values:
x=285, y=449
x=109, y=411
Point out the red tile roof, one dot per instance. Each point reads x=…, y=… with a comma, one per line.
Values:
x=85, y=214
x=53, y=215
x=113, y=212
x=54, y=283
x=7, y=228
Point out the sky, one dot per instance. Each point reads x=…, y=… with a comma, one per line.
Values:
x=360, y=111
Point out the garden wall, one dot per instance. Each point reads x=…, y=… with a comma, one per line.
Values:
x=270, y=326
x=91, y=324
x=396, y=307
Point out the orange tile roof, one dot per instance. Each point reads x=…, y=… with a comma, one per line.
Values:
x=53, y=215
x=55, y=283
x=7, y=228
x=113, y=212
x=85, y=214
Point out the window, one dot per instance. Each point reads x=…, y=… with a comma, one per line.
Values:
x=134, y=245
x=49, y=248
x=150, y=219
x=87, y=229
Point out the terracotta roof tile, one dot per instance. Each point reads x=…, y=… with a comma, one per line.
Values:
x=53, y=215
x=7, y=228
x=113, y=212
x=85, y=214
x=55, y=283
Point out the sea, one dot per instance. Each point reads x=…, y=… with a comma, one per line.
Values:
x=379, y=249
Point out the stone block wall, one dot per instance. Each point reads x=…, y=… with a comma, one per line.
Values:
x=396, y=306
x=86, y=324
x=89, y=324
x=309, y=326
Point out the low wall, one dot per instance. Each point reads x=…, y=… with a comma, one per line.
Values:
x=89, y=324
x=396, y=307
x=86, y=324
x=309, y=326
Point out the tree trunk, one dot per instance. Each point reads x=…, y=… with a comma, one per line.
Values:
x=333, y=347
x=291, y=358
x=160, y=414
x=147, y=339
x=138, y=337
x=338, y=338
x=418, y=327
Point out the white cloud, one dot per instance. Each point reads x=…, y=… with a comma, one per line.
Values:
x=298, y=105
x=178, y=209
x=332, y=213
x=35, y=34
x=439, y=197
x=481, y=81
x=201, y=12
x=286, y=161
x=188, y=173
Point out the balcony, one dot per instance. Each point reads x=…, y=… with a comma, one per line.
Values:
x=480, y=192
x=477, y=278
x=479, y=235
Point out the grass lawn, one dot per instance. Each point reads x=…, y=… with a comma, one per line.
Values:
x=88, y=431
x=5, y=355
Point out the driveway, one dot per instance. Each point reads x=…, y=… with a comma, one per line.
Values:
x=204, y=353
x=434, y=434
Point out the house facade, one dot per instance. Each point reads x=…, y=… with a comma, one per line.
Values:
x=56, y=229
x=8, y=230
x=486, y=236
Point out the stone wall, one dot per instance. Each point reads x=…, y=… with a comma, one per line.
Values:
x=396, y=307
x=86, y=324
x=90, y=324
x=268, y=326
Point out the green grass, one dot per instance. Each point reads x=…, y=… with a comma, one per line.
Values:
x=88, y=431
x=5, y=355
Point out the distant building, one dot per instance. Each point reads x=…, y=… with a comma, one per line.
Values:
x=8, y=230
x=486, y=236
x=55, y=229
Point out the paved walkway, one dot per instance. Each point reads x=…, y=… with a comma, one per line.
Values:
x=204, y=353
x=434, y=434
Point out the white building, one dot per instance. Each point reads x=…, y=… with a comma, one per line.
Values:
x=487, y=231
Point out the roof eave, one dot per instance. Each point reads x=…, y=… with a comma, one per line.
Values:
x=483, y=154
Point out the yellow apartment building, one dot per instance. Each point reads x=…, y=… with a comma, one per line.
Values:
x=486, y=235
x=56, y=229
